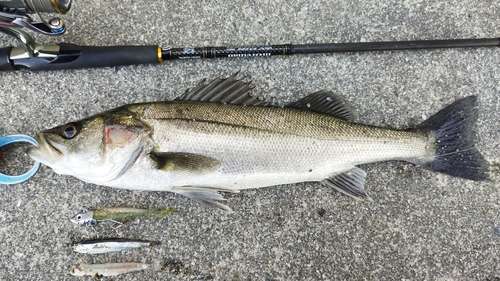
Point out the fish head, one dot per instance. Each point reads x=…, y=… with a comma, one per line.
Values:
x=80, y=248
x=77, y=270
x=85, y=218
x=97, y=149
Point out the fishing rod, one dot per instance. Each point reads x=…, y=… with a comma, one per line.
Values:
x=33, y=56
x=69, y=56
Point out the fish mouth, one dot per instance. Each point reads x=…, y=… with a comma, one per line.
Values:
x=47, y=149
x=57, y=147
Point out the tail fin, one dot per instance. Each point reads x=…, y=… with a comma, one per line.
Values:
x=164, y=213
x=453, y=130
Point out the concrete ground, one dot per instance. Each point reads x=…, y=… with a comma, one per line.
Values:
x=418, y=225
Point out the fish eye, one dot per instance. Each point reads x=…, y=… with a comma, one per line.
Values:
x=69, y=130
x=78, y=217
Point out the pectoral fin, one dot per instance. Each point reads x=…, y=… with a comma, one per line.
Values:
x=206, y=196
x=184, y=162
x=351, y=183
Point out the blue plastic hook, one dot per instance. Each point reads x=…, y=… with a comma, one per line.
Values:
x=6, y=140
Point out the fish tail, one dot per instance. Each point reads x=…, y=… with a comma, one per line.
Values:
x=164, y=213
x=453, y=132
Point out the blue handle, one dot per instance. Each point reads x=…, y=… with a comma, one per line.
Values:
x=6, y=140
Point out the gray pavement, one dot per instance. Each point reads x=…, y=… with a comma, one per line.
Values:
x=418, y=225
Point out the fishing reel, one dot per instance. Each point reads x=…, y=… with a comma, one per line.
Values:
x=16, y=14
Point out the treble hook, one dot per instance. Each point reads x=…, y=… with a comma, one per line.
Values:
x=6, y=140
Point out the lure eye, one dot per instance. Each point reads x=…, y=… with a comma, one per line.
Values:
x=69, y=131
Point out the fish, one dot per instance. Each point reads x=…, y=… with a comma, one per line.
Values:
x=115, y=214
x=107, y=269
x=102, y=246
x=219, y=137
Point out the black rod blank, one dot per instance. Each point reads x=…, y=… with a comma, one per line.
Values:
x=387, y=46
x=289, y=49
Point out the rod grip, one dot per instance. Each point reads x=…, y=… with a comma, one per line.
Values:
x=75, y=57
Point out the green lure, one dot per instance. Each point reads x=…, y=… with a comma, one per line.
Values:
x=116, y=214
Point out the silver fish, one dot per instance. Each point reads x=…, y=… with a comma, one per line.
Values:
x=108, y=245
x=107, y=269
x=217, y=137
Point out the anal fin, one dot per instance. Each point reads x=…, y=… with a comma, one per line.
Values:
x=207, y=196
x=351, y=183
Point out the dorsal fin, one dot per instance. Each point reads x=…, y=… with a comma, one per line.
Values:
x=223, y=90
x=326, y=103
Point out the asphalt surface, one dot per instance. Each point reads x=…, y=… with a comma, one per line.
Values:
x=418, y=224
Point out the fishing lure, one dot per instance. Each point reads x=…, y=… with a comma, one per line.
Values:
x=107, y=269
x=115, y=214
x=102, y=246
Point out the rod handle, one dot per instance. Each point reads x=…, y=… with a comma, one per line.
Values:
x=72, y=56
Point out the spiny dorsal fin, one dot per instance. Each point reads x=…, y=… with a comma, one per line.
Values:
x=351, y=183
x=184, y=162
x=326, y=103
x=223, y=90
